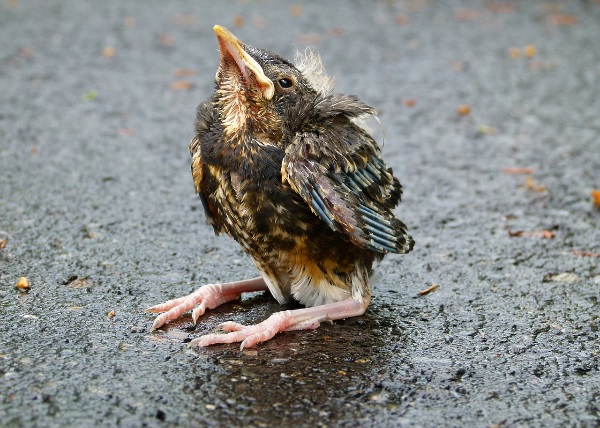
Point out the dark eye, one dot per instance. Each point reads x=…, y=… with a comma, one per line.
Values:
x=285, y=83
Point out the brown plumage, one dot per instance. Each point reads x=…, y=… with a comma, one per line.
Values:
x=282, y=167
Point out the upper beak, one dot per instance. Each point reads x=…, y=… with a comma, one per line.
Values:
x=231, y=46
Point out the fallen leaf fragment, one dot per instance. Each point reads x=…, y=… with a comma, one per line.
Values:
x=584, y=253
x=530, y=51
x=182, y=19
x=182, y=85
x=467, y=14
x=309, y=38
x=166, y=40
x=90, y=96
x=111, y=314
x=401, y=20
x=502, y=7
x=129, y=22
x=336, y=31
x=486, y=129
x=296, y=10
x=432, y=287
x=561, y=20
x=23, y=284
x=238, y=21
x=596, y=198
x=259, y=22
x=184, y=72
x=108, y=52
x=514, y=53
x=544, y=234
x=3, y=243
x=532, y=185
x=517, y=171
x=458, y=65
x=463, y=109
x=26, y=52
x=127, y=131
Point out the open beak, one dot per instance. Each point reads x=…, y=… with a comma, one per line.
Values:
x=250, y=70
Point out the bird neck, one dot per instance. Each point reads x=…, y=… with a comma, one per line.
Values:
x=243, y=112
x=247, y=128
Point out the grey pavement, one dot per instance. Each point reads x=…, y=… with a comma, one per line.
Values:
x=97, y=210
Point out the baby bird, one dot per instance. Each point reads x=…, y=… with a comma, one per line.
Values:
x=282, y=166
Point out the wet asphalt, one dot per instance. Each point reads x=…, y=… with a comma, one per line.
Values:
x=491, y=118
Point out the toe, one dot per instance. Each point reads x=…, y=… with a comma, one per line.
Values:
x=231, y=326
x=198, y=312
x=213, y=339
x=163, y=307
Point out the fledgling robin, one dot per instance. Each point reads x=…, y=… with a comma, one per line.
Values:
x=282, y=167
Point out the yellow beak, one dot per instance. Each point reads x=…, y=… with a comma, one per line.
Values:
x=231, y=46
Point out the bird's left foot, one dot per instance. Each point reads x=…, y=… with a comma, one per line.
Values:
x=299, y=319
x=251, y=334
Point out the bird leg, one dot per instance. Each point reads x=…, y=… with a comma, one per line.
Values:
x=206, y=297
x=298, y=319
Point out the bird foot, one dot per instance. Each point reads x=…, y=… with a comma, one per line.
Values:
x=206, y=297
x=299, y=319
x=248, y=335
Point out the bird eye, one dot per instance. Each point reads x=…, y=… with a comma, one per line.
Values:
x=285, y=83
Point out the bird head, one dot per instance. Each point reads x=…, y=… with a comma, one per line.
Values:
x=255, y=87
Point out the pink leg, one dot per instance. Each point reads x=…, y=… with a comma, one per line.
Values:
x=299, y=319
x=206, y=297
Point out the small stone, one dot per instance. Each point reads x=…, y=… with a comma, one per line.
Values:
x=23, y=284
x=567, y=277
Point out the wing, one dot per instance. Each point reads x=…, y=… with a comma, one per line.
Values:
x=206, y=121
x=339, y=174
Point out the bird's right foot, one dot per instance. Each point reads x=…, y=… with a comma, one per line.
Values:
x=206, y=297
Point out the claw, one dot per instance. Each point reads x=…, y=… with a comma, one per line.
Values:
x=158, y=321
x=198, y=312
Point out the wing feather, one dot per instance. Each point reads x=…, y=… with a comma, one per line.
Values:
x=335, y=166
